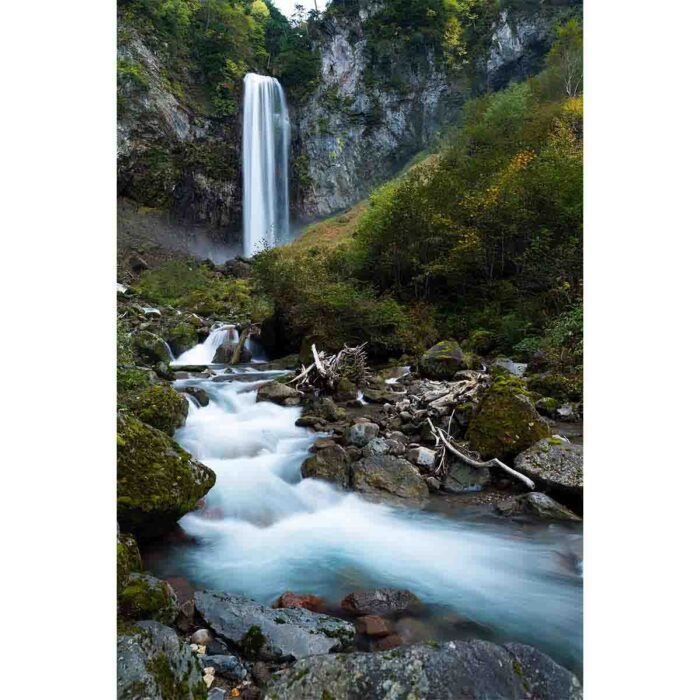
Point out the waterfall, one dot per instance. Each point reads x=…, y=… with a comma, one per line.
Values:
x=203, y=354
x=266, y=135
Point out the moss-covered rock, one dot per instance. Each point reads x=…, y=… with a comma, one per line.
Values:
x=547, y=406
x=182, y=337
x=559, y=386
x=442, y=360
x=145, y=597
x=157, y=481
x=150, y=348
x=481, y=341
x=160, y=406
x=506, y=421
x=128, y=559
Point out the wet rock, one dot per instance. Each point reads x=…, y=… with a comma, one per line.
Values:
x=463, y=669
x=159, y=406
x=555, y=464
x=535, y=503
x=567, y=413
x=292, y=600
x=315, y=422
x=462, y=477
x=346, y=390
x=422, y=457
x=150, y=348
x=322, y=443
x=153, y=660
x=373, y=626
x=391, y=641
x=228, y=666
x=360, y=434
x=386, y=475
x=442, y=360
x=157, y=481
x=181, y=337
x=145, y=597
x=381, y=602
x=506, y=421
x=199, y=394
x=271, y=634
x=326, y=409
x=128, y=559
x=278, y=393
x=433, y=484
x=381, y=396
x=330, y=464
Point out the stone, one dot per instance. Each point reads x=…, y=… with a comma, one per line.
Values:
x=391, y=641
x=322, y=443
x=433, y=484
x=160, y=406
x=463, y=669
x=381, y=602
x=228, y=666
x=326, y=409
x=381, y=396
x=144, y=597
x=384, y=475
x=315, y=422
x=202, y=636
x=217, y=694
x=346, y=390
x=278, y=393
x=567, y=413
x=292, y=600
x=199, y=394
x=506, y=421
x=463, y=478
x=128, y=558
x=376, y=446
x=330, y=464
x=535, y=503
x=421, y=456
x=442, y=360
x=260, y=632
x=157, y=481
x=152, y=660
x=373, y=626
x=516, y=368
x=361, y=433
x=554, y=464
x=150, y=348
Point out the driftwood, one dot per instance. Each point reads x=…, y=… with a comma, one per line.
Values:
x=236, y=357
x=327, y=370
x=445, y=440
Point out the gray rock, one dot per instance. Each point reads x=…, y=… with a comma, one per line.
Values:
x=384, y=475
x=281, y=394
x=462, y=478
x=421, y=457
x=450, y=671
x=381, y=396
x=567, y=413
x=381, y=601
x=217, y=694
x=554, y=464
x=330, y=464
x=442, y=360
x=152, y=660
x=516, y=368
x=229, y=666
x=361, y=433
x=271, y=634
x=535, y=503
x=376, y=446
x=199, y=394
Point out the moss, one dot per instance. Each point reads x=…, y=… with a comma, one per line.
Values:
x=159, y=406
x=481, y=341
x=253, y=641
x=146, y=598
x=170, y=687
x=442, y=360
x=181, y=337
x=157, y=481
x=559, y=386
x=128, y=559
x=506, y=421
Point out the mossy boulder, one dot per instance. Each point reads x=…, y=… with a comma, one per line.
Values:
x=481, y=341
x=346, y=390
x=159, y=406
x=145, y=597
x=330, y=464
x=547, y=406
x=559, y=386
x=182, y=337
x=506, y=421
x=128, y=558
x=555, y=465
x=150, y=348
x=385, y=475
x=442, y=360
x=157, y=481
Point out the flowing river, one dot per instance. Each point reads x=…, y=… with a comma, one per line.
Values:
x=265, y=530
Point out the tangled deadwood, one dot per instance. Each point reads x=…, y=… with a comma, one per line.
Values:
x=327, y=370
x=444, y=444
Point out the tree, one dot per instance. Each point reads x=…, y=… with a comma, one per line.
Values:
x=566, y=56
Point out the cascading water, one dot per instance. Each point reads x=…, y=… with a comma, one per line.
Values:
x=265, y=530
x=266, y=136
x=203, y=354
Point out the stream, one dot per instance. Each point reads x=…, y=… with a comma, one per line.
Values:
x=265, y=530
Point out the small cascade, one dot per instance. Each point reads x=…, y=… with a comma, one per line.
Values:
x=266, y=138
x=203, y=354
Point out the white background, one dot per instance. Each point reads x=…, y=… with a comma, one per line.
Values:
x=57, y=515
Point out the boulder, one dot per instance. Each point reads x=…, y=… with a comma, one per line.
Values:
x=360, y=434
x=145, y=597
x=330, y=464
x=381, y=602
x=278, y=393
x=346, y=390
x=199, y=394
x=376, y=446
x=373, y=626
x=384, y=475
x=128, y=559
x=326, y=408
x=181, y=337
x=463, y=478
x=153, y=663
x=226, y=353
x=159, y=406
x=150, y=348
x=272, y=634
x=506, y=421
x=292, y=600
x=442, y=360
x=554, y=464
x=535, y=503
x=505, y=363
x=547, y=406
x=463, y=669
x=422, y=457
x=381, y=396
x=228, y=666
x=157, y=481
x=567, y=413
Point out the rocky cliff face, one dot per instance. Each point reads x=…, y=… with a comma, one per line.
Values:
x=171, y=156
x=354, y=132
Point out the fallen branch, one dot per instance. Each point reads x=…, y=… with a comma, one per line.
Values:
x=440, y=435
x=317, y=361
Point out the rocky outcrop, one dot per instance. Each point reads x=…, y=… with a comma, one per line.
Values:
x=269, y=633
x=153, y=663
x=471, y=669
x=329, y=464
x=160, y=406
x=157, y=481
x=555, y=464
x=535, y=503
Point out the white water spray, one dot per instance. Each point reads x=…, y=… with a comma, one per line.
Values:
x=203, y=354
x=266, y=136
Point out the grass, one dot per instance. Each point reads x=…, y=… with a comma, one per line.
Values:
x=330, y=232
